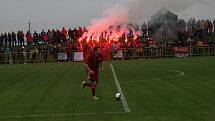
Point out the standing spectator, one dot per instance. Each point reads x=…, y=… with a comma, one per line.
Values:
x=46, y=38
x=54, y=39
x=193, y=24
x=69, y=52
x=144, y=29
x=85, y=30
x=5, y=39
x=29, y=38
x=189, y=26
x=70, y=35
x=18, y=37
x=180, y=36
x=9, y=38
x=42, y=34
x=50, y=36
x=40, y=40
x=210, y=27
x=13, y=39
x=35, y=38
x=150, y=28
x=80, y=32
x=75, y=33
x=204, y=25
x=214, y=25
x=1, y=40
x=114, y=49
x=64, y=34
x=185, y=35
x=58, y=36
x=22, y=36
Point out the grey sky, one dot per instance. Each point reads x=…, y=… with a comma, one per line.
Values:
x=14, y=14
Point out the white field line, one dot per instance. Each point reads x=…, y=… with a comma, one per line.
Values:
x=58, y=115
x=124, y=102
x=180, y=74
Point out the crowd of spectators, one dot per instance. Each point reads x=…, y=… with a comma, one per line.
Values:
x=196, y=30
x=188, y=33
x=53, y=36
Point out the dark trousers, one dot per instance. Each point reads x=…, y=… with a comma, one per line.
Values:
x=14, y=42
x=5, y=43
x=1, y=43
x=9, y=41
x=22, y=42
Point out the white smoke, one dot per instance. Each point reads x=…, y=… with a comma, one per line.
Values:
x=144, y=9
x=199, y=9
x=204, y=12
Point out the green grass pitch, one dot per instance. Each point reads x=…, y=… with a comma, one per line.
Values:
x=155, y=90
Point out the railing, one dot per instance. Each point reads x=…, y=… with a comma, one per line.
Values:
x=16, y=58
x=148, y=53
x=167, y=52
x=48, y=57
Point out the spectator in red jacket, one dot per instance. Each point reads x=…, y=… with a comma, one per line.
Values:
x=46, y=38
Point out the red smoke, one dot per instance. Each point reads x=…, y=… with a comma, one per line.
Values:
x=113, y=24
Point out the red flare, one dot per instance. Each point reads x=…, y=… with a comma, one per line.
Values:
x=97, y=39
x=88, y=39
x=135, y=37
x=126, y=40
x=80, y=39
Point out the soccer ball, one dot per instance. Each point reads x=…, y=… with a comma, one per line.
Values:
x=117, y=96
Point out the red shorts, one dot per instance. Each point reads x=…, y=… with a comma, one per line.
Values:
x=94, y=77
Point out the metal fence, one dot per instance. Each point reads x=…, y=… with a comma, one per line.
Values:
x=167, y=52
x=23, y=58
x=48, y=57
